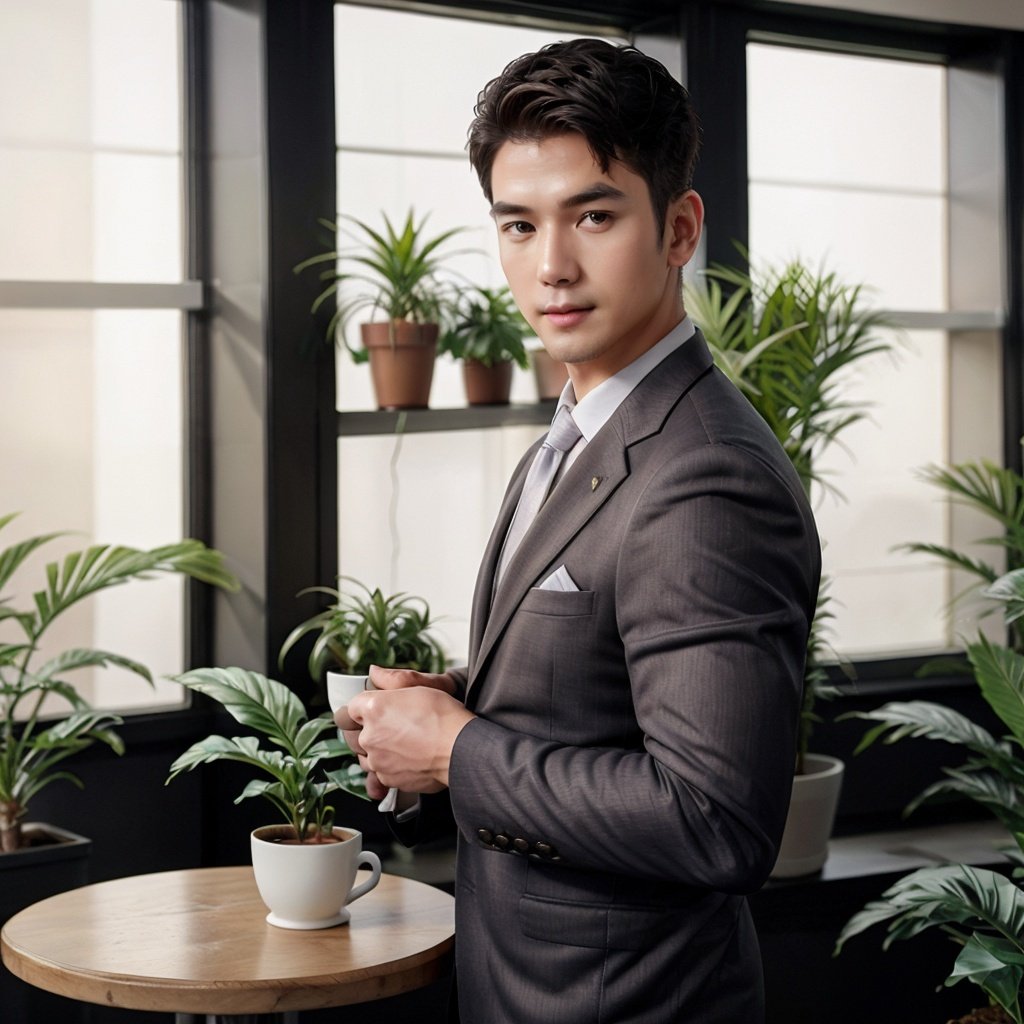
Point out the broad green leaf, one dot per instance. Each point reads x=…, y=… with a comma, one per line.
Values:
x=1000, y=675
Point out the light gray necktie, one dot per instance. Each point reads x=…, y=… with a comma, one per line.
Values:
x=561, y=437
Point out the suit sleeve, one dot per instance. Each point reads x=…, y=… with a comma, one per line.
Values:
x=714, y=589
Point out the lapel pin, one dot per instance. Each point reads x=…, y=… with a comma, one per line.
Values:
x=594, y=481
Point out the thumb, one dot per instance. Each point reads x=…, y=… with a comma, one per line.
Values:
x=385, y=678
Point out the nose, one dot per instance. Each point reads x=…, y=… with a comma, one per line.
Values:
x=557, y=266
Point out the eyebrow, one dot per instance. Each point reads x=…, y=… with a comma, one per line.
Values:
x=597, y=192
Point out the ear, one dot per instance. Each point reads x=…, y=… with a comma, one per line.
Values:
x=683, y=223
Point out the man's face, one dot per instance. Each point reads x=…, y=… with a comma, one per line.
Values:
x=595, y=276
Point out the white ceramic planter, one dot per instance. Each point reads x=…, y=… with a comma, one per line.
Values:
x=812, y=812
x=308, y=885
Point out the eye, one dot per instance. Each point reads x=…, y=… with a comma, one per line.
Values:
x=596, y=218
x=517, y=227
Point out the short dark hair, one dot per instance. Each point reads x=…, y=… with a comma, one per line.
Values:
x=624, y=103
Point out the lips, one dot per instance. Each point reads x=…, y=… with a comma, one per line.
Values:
x=566, y=316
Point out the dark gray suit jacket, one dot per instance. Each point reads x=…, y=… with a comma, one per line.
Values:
x=627, y=779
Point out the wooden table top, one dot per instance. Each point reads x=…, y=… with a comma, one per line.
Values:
x=197, y=942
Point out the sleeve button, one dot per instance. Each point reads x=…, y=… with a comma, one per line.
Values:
x=520, y=845
x=486, y=836
x=501, y=841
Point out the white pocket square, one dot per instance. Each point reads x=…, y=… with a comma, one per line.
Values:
x=559, y=580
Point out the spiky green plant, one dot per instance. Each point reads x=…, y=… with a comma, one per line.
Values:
x=272, y=710
x=31, y=747
x=397, y=275
x=785, y=336
x=366, y=627
x=486, y=325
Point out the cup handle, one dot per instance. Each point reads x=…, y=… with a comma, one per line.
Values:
x=371, y=860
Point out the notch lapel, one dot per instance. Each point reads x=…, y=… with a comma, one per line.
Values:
x=575, y=498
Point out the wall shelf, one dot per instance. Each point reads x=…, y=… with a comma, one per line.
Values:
x=418, y=421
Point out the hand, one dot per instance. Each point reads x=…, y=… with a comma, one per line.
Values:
x=387, y=679
x=406, y=736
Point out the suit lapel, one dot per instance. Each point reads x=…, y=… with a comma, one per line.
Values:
x=576, y=498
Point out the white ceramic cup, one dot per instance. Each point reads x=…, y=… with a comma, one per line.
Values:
x=309, y=885
x=341, y=688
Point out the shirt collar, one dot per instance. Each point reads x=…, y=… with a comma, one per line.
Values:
x=598, y=405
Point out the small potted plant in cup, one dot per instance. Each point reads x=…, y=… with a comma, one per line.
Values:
x=487, y=333
x=305, y=867
x=363, y=627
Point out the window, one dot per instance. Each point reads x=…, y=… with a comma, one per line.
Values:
x=92, y=307
x=863, y=174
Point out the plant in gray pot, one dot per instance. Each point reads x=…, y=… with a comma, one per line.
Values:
x=785, y=336
x=305, y=866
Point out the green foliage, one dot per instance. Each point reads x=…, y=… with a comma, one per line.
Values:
x=785, y=336
x=988, y=908
x=31, y=750
x=981, y=910
x=997, y=493
x=367, y=628
x=271, y=709
x=486, y=325
x=396, y=274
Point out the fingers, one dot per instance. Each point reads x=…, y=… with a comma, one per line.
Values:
x=375, y=789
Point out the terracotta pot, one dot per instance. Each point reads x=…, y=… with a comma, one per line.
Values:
x=308, y=885
x=812, y=812
x=487, y=385
x=550, y=374
x=401, y=362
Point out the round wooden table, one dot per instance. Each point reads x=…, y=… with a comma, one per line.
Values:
x=196, y=942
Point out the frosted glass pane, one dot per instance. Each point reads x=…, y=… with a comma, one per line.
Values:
x=137, y=218
x=894, y=244
x=90, y=179
x=827, y=118
x=46, y=212
x=884, y=504
x=135, y=87
x=441, y=65
x=44, y=72
x=91, y=441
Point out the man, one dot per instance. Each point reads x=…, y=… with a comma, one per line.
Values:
x=617, y=755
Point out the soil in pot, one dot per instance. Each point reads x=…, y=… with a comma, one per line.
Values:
x=988, y=1015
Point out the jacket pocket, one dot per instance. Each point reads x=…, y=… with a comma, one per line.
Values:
x=558, y=602
x=593, y=925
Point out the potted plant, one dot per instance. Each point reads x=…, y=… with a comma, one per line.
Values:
x=784, y=336
x=980, y=909
x=33, y=748
x=396, y=275
x=45, y=720
x=304, y=866
x=363, y=627
x=486, y=333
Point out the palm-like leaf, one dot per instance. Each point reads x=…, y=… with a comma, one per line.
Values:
x=919, y=718
x=957, y=898
x=29, y=752
x=1000, y=675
